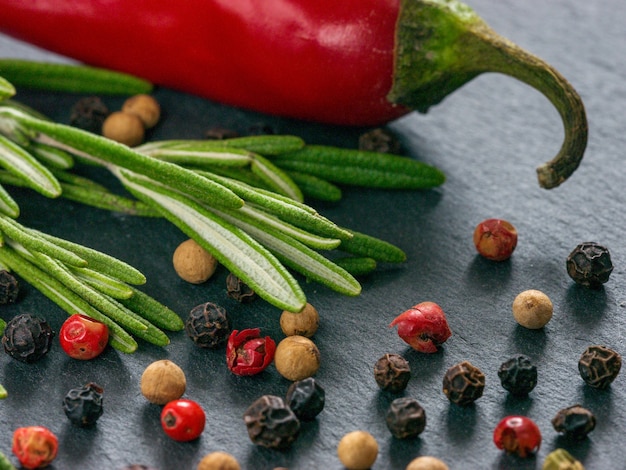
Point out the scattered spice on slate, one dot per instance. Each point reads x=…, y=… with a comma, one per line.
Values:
x=463, y=383
x=239, y=290
x=517, y=435
x=27, y=338
x=495, y=239
x=145, y=107
x=193, y=263
x=83, y=406
x=89, y=114
x=518, y=375
x=9, y=287
x=599, y=366
x=271, y=423
x=357, y=450
x=379, y=140
x=589, y=265
x=392, y=372
x=405, y=418
x=574, y=422
x=560, y=459
x=208, y=325
x=303, y=323
x=125, y=128
x=306, y=398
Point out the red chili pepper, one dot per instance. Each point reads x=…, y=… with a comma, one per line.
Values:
x=35, y=446
x=424, y=327
x=247, y=353
x=358, y=62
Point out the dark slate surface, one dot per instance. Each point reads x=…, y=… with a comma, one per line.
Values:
x=488, y=138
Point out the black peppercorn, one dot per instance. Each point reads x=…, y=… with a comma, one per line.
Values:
x=392, y=373
x=208, y=325
x=405, y=418
x=89, y=114
x=27, y=338
x=238, y=290
x=518, y=375
x=599, y=366
x=83, y=406
x=271, y=423
x=574, y=422
x=589, y=265
x=463, y=383
x=9, y=288
x=379, y=140
x=306, y=398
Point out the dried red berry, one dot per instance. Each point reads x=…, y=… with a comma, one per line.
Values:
x=424, y=327
x=495, y=239
x=517, y=435
x=35, y=446
x=247, y=353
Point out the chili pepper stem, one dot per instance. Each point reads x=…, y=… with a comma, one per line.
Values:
x=443, y=44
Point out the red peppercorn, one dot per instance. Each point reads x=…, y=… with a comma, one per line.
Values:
x=495, y=239
x=35, y=446
x=517, y=435
x=183, y=420
x=82, y=337
x=247, y=353
x=424, y=327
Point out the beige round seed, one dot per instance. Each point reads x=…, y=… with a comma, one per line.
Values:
x=426, y=463
x=532, y=309
x=357, y=450
x=145, y=107
x=303, y=323
x=124, y=128
x=193, y=263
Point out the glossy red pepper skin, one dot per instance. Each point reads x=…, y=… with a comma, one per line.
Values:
x=424, y=327
x=320, y=60
x=35, y=446
x=247, y=353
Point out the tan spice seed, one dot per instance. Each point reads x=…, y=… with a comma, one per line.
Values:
x=124, y=128
x=193, y=263
x=357, y=450
x=303, y=323
x=532, y=309
x=297, y=358
x=163, y=381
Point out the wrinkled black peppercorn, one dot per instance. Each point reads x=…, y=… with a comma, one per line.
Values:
x=518, y=375
x=392, y=373
x=89, y=114
x=574, y=422
x=379, y=140
x=463, y=383
x=306, y=398
x=599, y=366
x=405, y=418
x=208, y=325
x=220, y=133
x=27, y=338
x=271, y=423
x=589, y=265
x=83, y=406
x=9, y=288
x=238, y=290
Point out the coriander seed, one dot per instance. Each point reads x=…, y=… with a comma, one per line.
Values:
x=405, y=418
x=145, y=107
x=574, y=422
x=463, y=383
x=426, y=462
x=357, y=450
x=297, y=358
x=589, y=265
x=193, y=263
x=163, y=381
x=392, y=373
x=218, y=461
x=532, y=309
x=303, y=323
x=599, y=366
x=124, y=128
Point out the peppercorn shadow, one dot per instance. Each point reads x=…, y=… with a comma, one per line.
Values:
x=586, y=306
